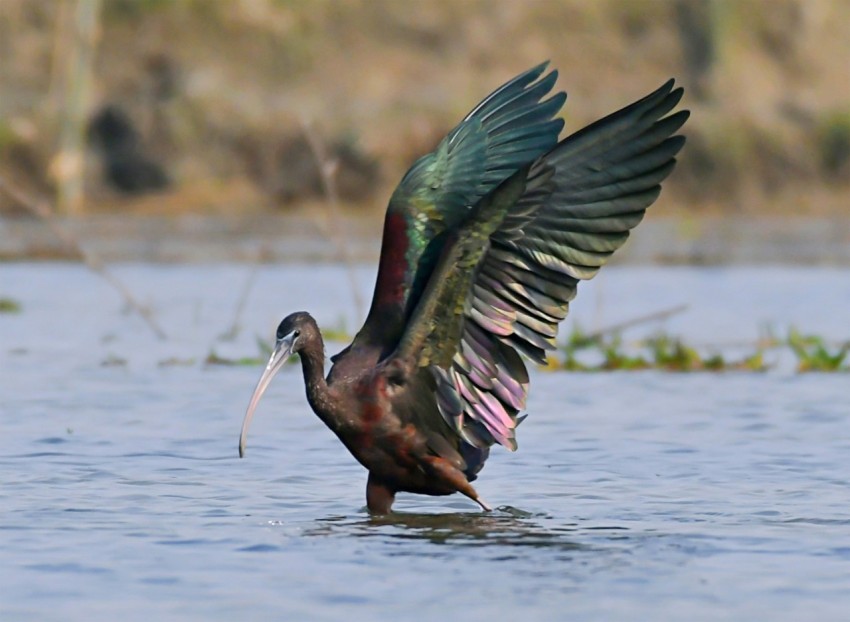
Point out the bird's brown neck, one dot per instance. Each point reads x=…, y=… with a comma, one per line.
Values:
x=313, y=367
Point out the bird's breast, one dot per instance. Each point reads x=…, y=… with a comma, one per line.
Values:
x=377, y=436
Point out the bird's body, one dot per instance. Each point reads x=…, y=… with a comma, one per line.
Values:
x=392, y=429
x=484, y=243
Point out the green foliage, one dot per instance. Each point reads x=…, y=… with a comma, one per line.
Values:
x=813, y=354
x=671, y=354
x=754, y=362
x=251, y=361
x=264, y=347
x=585, y=352
x=7, y=135
x=338, y=332
x=176, y=362
x=617, y=358
x=661, y=351
x=9, y=305
x=133, y=9
x=264, y=352
x=113, y=361
x=834, y=142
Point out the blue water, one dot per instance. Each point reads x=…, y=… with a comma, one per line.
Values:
x=633, y=495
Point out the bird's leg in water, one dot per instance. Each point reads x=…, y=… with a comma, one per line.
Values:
x=379, y=498
x=448, y=472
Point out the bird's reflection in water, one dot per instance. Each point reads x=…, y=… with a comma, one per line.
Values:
x=505, y=527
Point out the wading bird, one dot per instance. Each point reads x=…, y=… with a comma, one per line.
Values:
x=484, y=243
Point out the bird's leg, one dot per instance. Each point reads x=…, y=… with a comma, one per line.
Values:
x=454, y=476
x=379, y=498
x=483, y=504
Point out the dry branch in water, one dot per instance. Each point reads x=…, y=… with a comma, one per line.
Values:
x=643, y=319
x=231, y=333
x=327, y=171
x=42, y=210
x=329, y=225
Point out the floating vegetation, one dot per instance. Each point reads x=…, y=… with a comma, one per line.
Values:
x=666, y=352
x=175, y=361
x=337, y=333
x=814, y=355
x=606, y=350
x=264, y=347
x=661, y=351
x=9, y=305
x=264, y=350
x=251, y=361
x=113, y=361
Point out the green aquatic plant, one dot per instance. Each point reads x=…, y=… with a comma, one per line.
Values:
x=9, y=305
x=607, y=351
x=661, y=351
x=616, y=357
x=337, y=333
x=672, y=354
x=113, y=361
x=754, y=362
x=264, y=347
x=715, y=362
x=175, y=361
x=264, y=350
x=577, y=340
x=814, y=355
x=214, y=359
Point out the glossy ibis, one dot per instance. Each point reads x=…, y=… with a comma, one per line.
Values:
x=484, y=243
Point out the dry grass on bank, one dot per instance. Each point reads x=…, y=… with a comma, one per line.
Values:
x=219, y=91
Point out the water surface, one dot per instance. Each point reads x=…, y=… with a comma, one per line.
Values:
x=633, y=495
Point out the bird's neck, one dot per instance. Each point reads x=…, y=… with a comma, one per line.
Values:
x=313, y=367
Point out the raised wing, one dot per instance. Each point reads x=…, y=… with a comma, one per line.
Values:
x=512, y=127
x=438, y=325
x=435, y=328
x=579, y=203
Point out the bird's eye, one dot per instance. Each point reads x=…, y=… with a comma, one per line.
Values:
x=295, y=333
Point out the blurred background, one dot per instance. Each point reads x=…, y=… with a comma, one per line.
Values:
x=222, y=163
x=242, y=110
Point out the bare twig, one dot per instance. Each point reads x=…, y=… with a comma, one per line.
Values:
x=231, y=333
x=643, y=319
x=42, y=209
x=327, y=170
x=330, y=229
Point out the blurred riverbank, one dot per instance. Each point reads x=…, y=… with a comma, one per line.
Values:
x=215, y=98
x=272, y=238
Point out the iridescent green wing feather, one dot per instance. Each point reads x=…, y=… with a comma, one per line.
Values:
x=509, y=129
x=579, y=203
x=434, y=331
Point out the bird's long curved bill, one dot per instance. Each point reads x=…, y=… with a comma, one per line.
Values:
x=282, y=350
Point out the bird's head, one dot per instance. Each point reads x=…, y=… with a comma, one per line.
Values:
x=293, y=333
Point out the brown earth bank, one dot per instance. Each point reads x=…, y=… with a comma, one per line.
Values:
x=312, y=235
x=239, y=107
